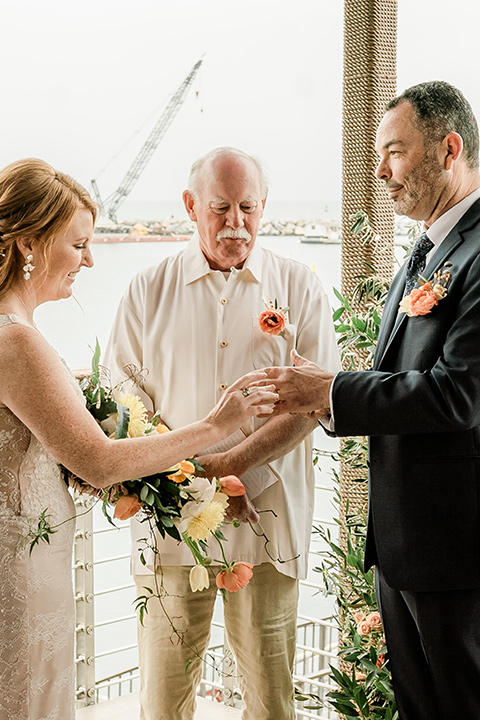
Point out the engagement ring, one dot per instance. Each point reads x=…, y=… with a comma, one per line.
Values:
x=246, y=392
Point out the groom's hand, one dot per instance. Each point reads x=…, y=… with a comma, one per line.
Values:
x=304, y=388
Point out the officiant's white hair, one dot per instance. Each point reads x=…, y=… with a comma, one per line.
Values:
x=199, y=166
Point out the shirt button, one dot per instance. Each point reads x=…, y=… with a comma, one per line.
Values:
x=223, y=386
x=224, y=301
x=223, y=344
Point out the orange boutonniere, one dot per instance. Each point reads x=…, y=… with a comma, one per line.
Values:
x=272, y=321
x=423, y=299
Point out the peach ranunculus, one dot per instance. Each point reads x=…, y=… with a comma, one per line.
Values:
x=363, y=627
x=235, y=577
x=272, y=322
x=161, y=428
x=231, y=486
x=181, y=470
x=127, y=506
x=374, y=620
x=422, y=300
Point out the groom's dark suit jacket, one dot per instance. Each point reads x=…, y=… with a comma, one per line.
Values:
x=420, y=405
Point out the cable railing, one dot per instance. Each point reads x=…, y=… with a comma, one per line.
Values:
x=106, y=647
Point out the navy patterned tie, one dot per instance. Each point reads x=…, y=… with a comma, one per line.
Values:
x=417, y=261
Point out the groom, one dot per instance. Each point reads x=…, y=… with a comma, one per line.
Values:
x=421, y=408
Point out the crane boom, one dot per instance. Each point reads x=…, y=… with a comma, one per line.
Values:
x=150, y=145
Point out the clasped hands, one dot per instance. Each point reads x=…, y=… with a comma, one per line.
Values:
x=303, y=389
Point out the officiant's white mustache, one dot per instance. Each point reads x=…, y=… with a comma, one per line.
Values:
x=231, y=234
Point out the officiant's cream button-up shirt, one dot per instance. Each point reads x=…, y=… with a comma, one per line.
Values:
x=196, y=331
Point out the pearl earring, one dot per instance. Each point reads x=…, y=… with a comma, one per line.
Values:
x=28, y=267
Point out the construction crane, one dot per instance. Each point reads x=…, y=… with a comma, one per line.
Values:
x=149, y=147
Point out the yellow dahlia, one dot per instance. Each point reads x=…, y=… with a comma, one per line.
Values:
x=205, y=523
x=138, y=414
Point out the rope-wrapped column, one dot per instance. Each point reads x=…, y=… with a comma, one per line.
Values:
x=369, y=82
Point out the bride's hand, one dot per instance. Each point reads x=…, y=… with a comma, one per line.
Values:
x=241, y=401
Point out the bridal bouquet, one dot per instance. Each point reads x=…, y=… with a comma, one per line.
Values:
x=174, y=501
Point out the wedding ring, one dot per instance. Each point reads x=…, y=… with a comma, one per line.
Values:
x=246, y=392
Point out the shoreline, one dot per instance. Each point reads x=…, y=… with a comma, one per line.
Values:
x=104, y=238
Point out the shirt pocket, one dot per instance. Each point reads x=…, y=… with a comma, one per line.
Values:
x=270, y=350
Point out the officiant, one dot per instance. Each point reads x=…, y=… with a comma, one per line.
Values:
x=193, y=323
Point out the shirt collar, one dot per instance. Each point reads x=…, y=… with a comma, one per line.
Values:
x=195, y=265
x=439, y=230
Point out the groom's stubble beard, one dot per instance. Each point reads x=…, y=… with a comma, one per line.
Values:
x=425, y=181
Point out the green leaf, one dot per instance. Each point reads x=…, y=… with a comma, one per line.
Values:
x=96, y=357
x=358, y=323
x=338, y=295
x=121, y=431
x=105, y=508
x=352, y=560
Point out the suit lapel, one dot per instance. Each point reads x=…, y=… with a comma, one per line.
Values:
x=390, y=314
x=391, y=319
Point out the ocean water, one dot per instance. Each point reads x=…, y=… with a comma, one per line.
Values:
x=72, y=325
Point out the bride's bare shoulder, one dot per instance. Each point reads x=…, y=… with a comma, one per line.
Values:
x=22, y=345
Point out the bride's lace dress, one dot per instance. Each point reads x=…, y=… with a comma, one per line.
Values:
x=37, y=614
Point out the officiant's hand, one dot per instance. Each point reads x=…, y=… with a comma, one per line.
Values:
x=304, y=388
x=217, y=465
x=241, y=508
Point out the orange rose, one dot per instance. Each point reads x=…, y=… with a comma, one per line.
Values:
x=235, y=577
x=363, y=628
x=422, y=300
x=127, y=506
x=232, y=486
x=374, y=620
x=359, y=615
x=272, y=322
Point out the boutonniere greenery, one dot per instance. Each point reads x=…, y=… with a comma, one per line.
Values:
x=423, y=299
x=272, y=321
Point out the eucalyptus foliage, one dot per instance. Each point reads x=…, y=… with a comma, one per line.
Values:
x=363, y=687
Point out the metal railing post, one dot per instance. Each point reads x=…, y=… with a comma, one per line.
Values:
x=230, y=672
x=83, y=585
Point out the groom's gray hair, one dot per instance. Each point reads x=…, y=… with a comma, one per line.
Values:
x=440, y=108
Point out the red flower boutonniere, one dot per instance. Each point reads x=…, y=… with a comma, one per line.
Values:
x=272, y=320
x=423, y=299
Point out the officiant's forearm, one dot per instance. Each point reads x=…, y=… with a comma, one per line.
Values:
x=273, y=440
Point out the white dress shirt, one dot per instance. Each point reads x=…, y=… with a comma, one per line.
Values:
x=439, y=230
x=196, y=332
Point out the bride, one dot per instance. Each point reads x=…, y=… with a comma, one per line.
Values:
x=46, y=227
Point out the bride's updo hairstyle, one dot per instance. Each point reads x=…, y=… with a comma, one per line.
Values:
x=38, y=202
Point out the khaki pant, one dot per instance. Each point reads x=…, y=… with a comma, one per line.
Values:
x=260, y=622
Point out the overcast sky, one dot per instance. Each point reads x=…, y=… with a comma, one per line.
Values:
x=81, y=78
